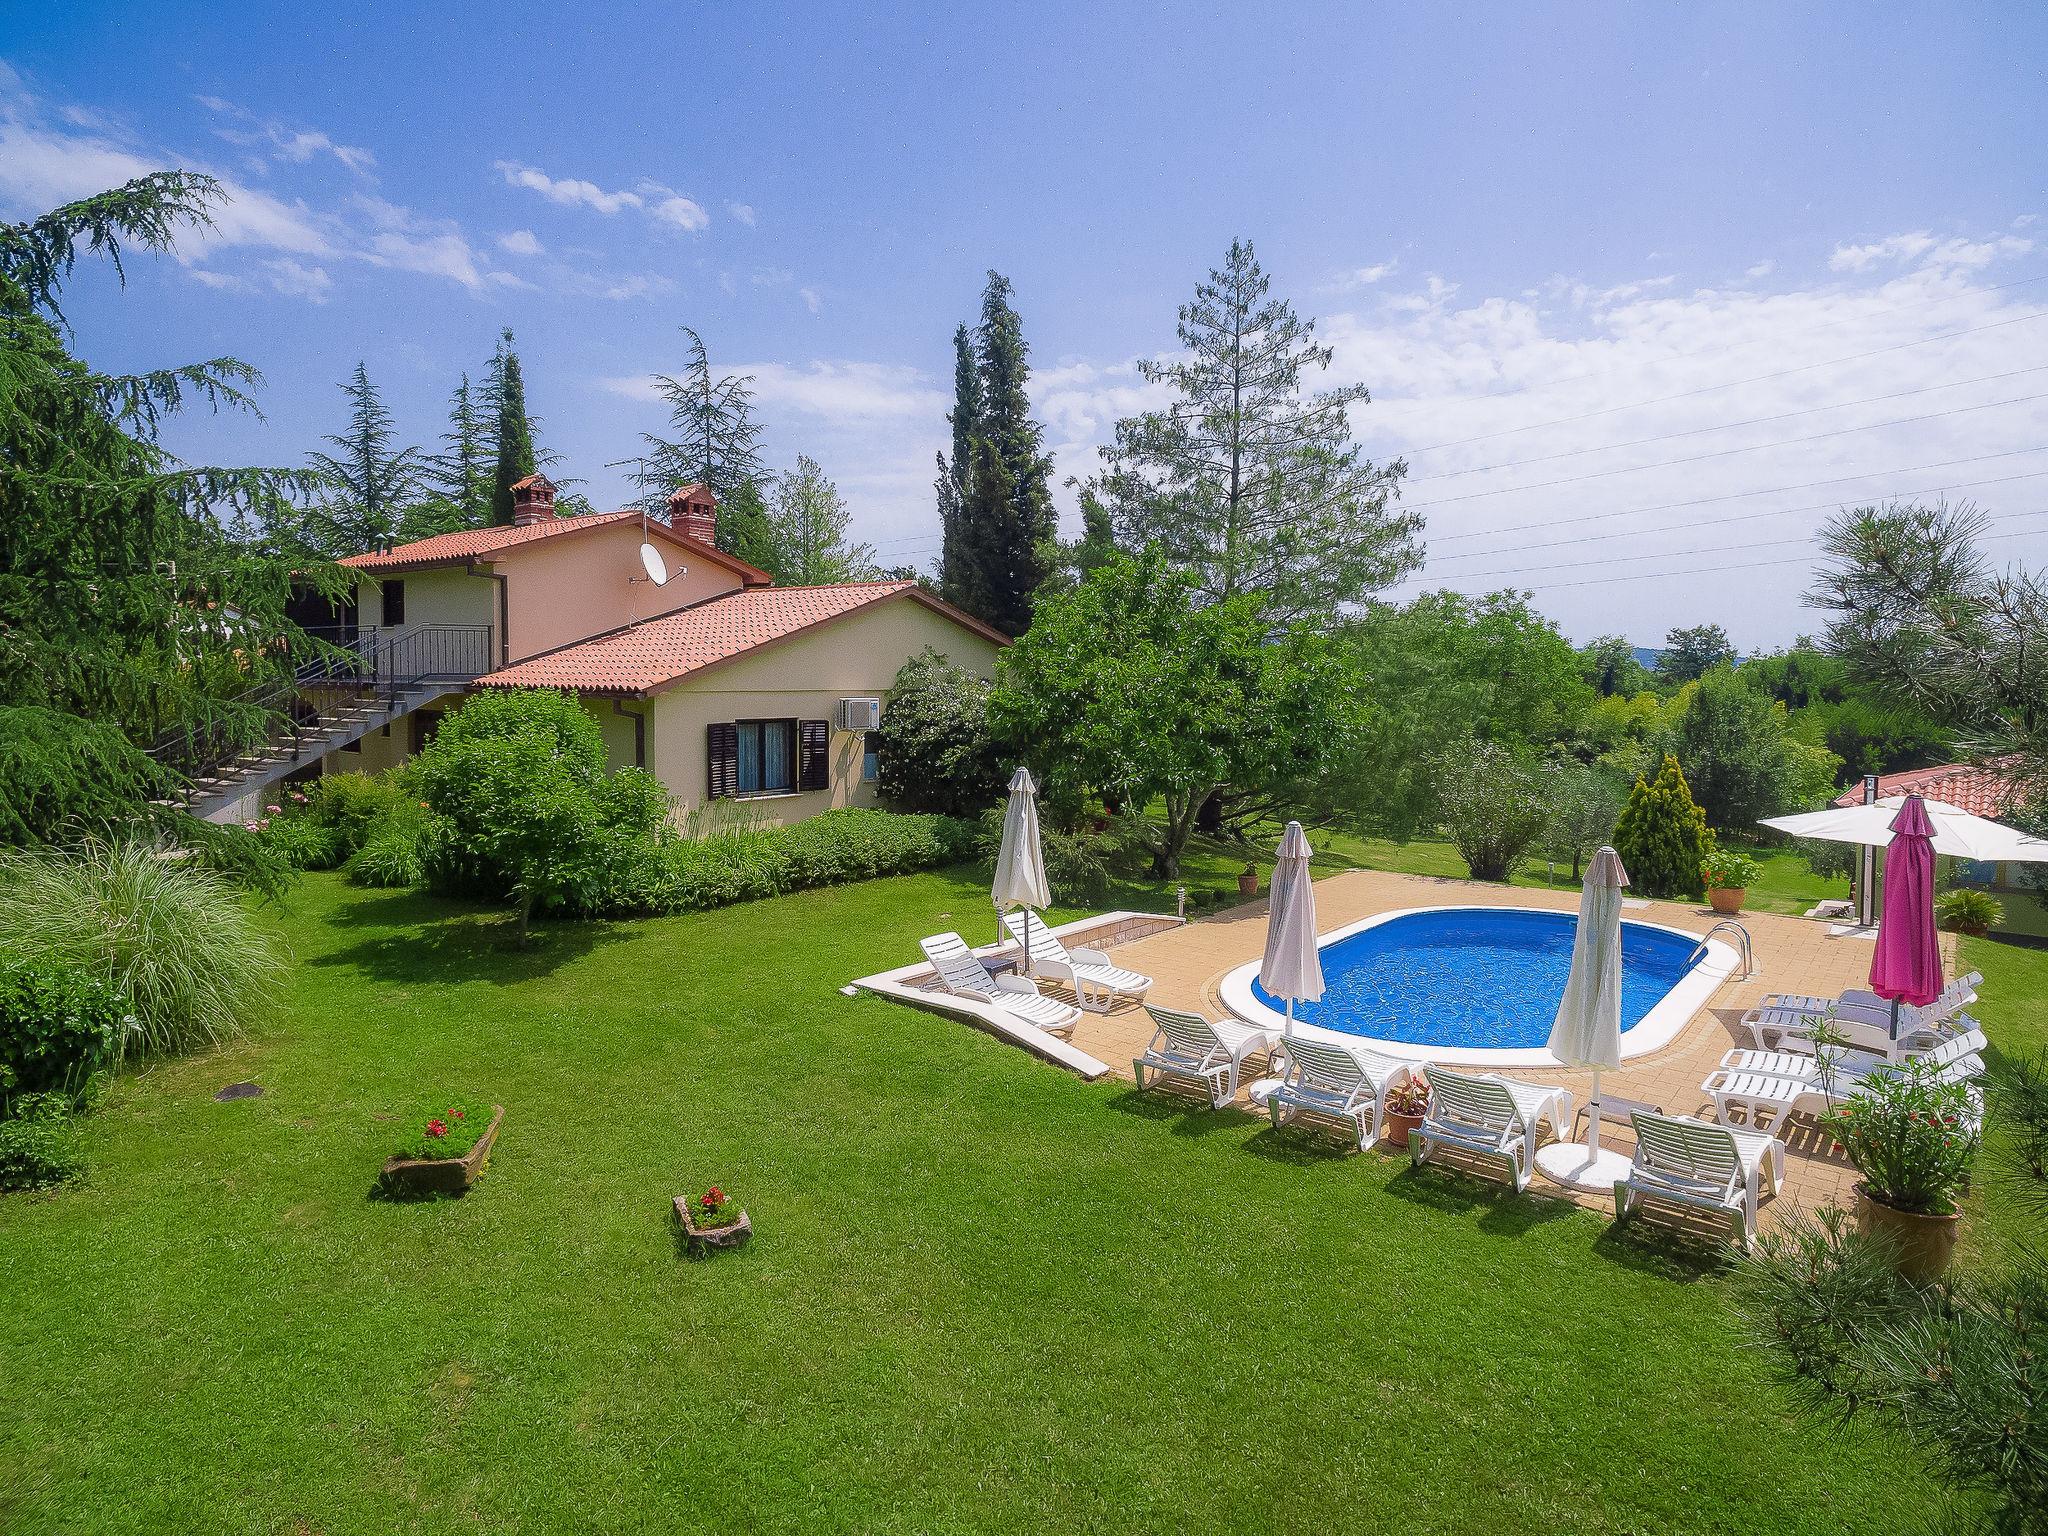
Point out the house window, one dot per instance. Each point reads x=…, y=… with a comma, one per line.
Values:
x=394, y=604
x=870, y=757
x=767, y=757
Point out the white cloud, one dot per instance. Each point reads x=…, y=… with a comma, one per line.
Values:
x=668, y=206
x=298, y=280
x=1365, y=277
x=1861, y=258
x=520, y=242
x=664, y=205
x=1763, y=268
x=568, y=191
x=812, y=301
x=743, y=212
x=294, y=146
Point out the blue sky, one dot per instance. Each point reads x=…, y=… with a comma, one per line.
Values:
x=1530, y=230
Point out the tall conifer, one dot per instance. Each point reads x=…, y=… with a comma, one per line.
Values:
x=513, y=431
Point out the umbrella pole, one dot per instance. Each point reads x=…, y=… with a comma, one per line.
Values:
x=1593, y=1118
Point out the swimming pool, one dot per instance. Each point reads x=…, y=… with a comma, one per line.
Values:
x=1481, y=984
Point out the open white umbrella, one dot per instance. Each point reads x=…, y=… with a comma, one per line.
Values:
x=1956, y=832
x=1587, y=1032
x=1020, y=862
x=1292, y=967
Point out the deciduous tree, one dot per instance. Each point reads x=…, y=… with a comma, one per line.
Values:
x=807, y=531
x=1128, y=686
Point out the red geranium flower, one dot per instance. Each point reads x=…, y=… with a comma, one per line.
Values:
x=437, y=1128
x=458, y=1114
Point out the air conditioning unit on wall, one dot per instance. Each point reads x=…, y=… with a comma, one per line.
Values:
x=860, y=714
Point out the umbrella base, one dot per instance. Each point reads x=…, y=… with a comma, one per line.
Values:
x=1578, y=1166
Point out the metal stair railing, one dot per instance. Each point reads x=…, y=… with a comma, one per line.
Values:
x=376, y=666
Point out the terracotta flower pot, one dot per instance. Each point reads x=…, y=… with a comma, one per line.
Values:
x=1395, y=1135
x=1924, y=1242
x=1726, y=899
x=1248, y=885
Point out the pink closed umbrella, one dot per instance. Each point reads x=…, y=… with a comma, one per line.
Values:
x=1907, y=965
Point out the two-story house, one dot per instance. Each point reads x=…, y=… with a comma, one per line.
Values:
x=694, y=664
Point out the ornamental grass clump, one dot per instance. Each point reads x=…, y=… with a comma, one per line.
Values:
x=1911, y=1134
x=175, y=939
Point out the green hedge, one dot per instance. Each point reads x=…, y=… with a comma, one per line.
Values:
x=674, y=874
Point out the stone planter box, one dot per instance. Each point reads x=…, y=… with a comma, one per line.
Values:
x=701, y=1240
x=412, y=1178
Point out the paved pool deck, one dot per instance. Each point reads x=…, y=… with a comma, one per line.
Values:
x=1793, y=954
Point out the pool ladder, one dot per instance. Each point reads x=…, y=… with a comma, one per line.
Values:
x=1742, y=939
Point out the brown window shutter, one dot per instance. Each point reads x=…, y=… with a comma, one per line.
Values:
x=722, y=746
x=813, y=754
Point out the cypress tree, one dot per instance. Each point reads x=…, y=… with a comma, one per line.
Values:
x=1003, y=539
x=1662, y=836
x=955, y=576
x=513, y=432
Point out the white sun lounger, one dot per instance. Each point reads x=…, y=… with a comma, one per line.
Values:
x=1189, y=1047
x=1097, y=984
x=1958, y=1051
x=1864, y=1025
x=1955, y=997
x=961, y=973
x=1338, y=1082
x=1709, y=1167
x=1769, y=1094
x=1490, y=1115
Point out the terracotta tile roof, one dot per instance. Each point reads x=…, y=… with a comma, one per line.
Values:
x=655, y=652
x=1980, y=790
x=474, y=543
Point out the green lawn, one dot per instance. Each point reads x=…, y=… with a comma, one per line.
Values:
x=983, y=1295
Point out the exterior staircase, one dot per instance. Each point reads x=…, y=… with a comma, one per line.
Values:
x=360, y=683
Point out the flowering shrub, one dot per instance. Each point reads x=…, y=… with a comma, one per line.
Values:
x=714, y=1208
x=1910, y=1132
x=1409, y=1098
x=1729, y=869
x=447, y=1134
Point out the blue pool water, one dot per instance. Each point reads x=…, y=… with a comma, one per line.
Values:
x=1482, y=978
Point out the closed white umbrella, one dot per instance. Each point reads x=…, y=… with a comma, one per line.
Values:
x=1020, y=862
x=1292, y=967
x=1587, y=1031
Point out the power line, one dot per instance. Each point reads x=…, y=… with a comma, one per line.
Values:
x=1709, y=570
x=1700, y=501
x=1739, y=346
x=1708, y=389
x=1740, y=517
x=1728, y=426
x=1673, y=554
x=1722, y=453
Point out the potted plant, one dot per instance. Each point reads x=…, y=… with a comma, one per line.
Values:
x=1728, y=874
x=712, y=1220
x=1407, y=1104
x=1967, y=911
x=1248, y=880
x=1912, y=1134
x=446, y=1153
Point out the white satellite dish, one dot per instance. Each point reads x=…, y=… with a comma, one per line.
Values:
x=652, y=563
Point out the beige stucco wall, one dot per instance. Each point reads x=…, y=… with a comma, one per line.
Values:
x=444, y=596
x=566, y=589
x=803, y=678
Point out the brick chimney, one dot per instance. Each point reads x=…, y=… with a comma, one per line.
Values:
x=533, y=500
x=693, y=512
